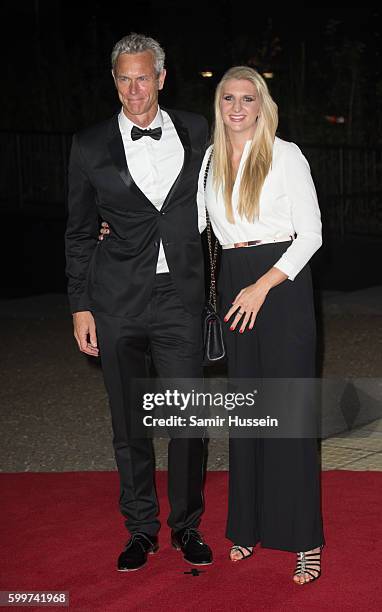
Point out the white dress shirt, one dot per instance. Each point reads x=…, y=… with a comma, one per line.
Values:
x=288, y=206
x=153, y=164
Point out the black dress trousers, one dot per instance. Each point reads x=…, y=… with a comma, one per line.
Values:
x=169, y=335
x=274, y=484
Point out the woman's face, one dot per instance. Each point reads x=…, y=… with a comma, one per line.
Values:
x=240, y=107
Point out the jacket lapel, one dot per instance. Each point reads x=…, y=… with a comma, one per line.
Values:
x=117, y=153
x=186, y=143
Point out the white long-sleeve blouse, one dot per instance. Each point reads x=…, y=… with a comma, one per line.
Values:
x=288, y=207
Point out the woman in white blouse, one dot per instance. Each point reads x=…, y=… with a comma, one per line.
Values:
x=263, y=209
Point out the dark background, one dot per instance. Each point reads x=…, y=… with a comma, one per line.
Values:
x=56, y=79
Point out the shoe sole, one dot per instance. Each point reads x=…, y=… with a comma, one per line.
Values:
x=199, y=564
x=191, y=562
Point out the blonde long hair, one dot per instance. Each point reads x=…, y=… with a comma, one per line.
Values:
x=259, y=158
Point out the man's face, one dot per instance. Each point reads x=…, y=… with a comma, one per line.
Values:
x=138, y=84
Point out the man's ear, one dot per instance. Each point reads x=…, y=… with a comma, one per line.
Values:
x=161, y=79
x=113, y=75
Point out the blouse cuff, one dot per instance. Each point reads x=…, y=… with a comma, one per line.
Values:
x=287, y=267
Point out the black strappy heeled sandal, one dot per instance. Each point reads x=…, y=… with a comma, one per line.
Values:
x=308, y=563
x=240, y=549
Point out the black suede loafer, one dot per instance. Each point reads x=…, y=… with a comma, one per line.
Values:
x=194, y=549
x=135, y=554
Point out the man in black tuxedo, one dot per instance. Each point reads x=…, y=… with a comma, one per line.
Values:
x=140, y=291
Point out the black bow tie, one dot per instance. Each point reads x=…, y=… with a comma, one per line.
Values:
x=137, y=133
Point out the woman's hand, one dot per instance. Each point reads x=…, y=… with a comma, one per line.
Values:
x=105, y=229
x=247, y=304
x=249, y=300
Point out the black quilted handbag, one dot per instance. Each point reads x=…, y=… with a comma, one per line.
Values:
x=214, y=348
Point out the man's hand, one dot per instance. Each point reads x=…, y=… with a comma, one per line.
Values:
x=105, y=229
x=85, y=332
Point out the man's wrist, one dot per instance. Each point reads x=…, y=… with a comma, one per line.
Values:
x=79, y=312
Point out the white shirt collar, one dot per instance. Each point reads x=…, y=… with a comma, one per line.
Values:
x=126, y=125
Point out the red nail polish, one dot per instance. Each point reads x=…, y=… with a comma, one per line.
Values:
x=231, y=328
x=241, y=331
x=225, y=319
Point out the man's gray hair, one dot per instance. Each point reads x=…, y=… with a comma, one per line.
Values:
x=138, y=43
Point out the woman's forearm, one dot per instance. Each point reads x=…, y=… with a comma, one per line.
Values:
x=273, y=277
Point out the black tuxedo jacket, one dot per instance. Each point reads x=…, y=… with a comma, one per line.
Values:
x=117, y=275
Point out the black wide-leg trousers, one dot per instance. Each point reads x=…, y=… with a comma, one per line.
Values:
x=274, y=483
x=166, y=333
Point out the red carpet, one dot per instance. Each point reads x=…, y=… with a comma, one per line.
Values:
x=64, y=532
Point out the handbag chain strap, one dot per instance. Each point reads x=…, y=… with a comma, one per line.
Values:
x=212, y=251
